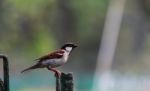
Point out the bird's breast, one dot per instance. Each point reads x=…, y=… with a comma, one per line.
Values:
x=54, y=62
x=65, y=57
x=57, y=61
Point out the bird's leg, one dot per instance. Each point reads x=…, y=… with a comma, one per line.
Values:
x=57, y=72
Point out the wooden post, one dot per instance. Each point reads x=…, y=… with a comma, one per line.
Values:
x=65, y=82
x=58, y=84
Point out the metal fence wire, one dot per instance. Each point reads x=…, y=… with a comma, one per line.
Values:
x=4, y=85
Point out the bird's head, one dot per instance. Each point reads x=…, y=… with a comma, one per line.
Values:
x=69, y=47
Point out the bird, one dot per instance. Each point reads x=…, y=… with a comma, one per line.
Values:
x=54, y=59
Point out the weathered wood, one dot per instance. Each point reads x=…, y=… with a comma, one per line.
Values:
x=58, y=84
x=65, y=82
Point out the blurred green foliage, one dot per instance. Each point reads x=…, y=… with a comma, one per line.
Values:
x=32, y=26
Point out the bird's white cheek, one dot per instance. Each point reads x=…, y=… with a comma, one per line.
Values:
x=68, y=49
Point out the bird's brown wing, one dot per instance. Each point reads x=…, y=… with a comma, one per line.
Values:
x=53, y=55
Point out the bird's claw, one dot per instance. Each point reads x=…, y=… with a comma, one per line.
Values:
x=58, y=74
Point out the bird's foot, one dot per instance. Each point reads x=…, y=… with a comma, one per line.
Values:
x=57, y=72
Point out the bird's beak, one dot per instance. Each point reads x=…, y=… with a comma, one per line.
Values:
x=75, y=46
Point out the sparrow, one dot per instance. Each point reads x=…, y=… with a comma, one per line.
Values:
x=54, y=59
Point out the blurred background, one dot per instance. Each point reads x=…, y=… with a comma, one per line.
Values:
x=113, y=38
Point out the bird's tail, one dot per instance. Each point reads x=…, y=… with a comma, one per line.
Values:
x=32, y=67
